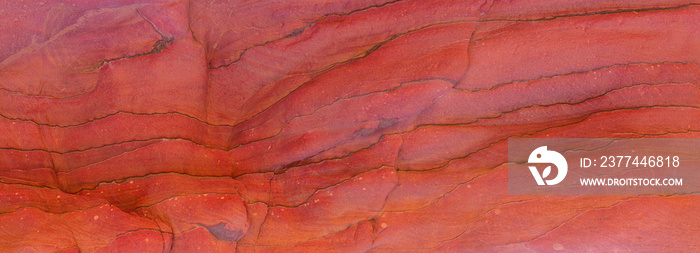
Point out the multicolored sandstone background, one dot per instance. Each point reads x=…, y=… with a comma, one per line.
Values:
x=367, y=125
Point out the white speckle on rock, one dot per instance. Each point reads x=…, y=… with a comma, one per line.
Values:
x=558, y=246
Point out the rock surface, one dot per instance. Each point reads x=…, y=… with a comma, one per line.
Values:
x=354, y=126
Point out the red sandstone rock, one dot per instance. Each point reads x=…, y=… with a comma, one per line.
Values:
x=314, y=126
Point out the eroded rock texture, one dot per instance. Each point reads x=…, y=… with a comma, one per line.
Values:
x=358, y=126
